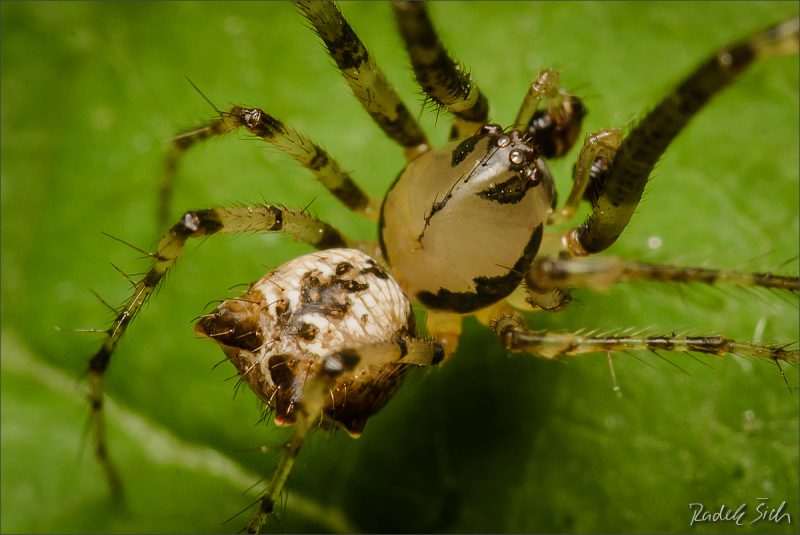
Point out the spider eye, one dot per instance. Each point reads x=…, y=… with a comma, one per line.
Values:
x=533, y=175
x=516, y=158
x=503, y=141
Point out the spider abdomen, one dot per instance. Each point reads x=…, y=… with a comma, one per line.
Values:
x=280, y=330
x=491, y=196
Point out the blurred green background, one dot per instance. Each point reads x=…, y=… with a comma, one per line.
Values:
x=92, y=92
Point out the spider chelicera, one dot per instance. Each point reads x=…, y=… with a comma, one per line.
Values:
x=327, y=338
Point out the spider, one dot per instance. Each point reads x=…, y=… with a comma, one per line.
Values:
x=328, y=337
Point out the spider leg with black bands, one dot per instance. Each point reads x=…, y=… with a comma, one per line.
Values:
x=446, y=82
x=516, y=336
x=193, y=224
x=549, y=279
x=365, y=78
x=615, y=194
x=285, y=138
x=599, y=273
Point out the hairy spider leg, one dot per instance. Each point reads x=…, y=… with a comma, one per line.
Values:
x=180, y=144
x=336, y=367
x=598, y=273
x=444, y=80
x=450, y=86
x=365, y=78
x=550, y=279
x=282, y=136
x=516, y=336
x=193, y=224
x=615, y=194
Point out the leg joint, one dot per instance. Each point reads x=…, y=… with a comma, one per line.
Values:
x=197, y=223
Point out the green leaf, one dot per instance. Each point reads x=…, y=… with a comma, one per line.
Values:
x=92, y=92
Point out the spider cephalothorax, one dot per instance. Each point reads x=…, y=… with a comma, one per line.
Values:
x=453, y=203
x=462, y=230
